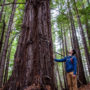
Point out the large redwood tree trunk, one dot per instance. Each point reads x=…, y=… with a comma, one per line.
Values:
x=33, y=68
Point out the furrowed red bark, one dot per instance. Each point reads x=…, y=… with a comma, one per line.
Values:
x=33, y=66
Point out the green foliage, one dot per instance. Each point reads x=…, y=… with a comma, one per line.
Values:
x=52, y=4
x=86, y=12
x=16, y=28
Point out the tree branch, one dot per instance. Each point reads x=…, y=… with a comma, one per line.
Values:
x=58, y=53
x=10, y=4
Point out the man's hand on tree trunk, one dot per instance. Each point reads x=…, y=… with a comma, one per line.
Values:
x=53, y=56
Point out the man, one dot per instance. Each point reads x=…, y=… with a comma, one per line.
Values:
x=71, y=69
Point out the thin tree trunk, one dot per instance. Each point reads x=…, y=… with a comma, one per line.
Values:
x=86, y=25
x=83, y=36
x=8, y=59
x=88, y=2
x=64, y=72
x=55, y=73
x=65, y=43
x=1, y=12
x=33, y=67
x=59, y=77
x=87, y=29
x=66, y=55
x=71, y=37
x=2, y=34
x=7, y=66
x=76, y=46
x=3, y=54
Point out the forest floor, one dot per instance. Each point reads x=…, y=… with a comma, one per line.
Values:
x=85, y=87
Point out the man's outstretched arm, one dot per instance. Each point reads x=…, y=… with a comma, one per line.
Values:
x=60, y=60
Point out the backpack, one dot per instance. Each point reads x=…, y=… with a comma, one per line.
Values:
x=71, y=60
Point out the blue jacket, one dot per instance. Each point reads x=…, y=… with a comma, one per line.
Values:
x=70, y=65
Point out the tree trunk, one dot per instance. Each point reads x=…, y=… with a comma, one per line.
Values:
x=7, y=66
x=33, y=67
x=3, y=54
x=83, y=36
x=88, y=2
x=86, y=25
x=76, y=46
x=63, y=65
x=87, y=29
x=64, y=72
x=71, y=36
x=65, y=43
x=8, y=59
x=2, y=34
x=1, y=12
x=59, y=77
